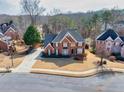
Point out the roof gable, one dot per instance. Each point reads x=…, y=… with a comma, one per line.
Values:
x=66, y=35
x=122, y=38
x=4, y=27
x=108, y=33
x=118, y=39
x=49, y=46
x=109, y=39
x=75, y=35
x=10, y=29
x=48, y=39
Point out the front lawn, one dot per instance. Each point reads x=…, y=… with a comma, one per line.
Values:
x=69, y=64
x=5, y=61
x=66, y=63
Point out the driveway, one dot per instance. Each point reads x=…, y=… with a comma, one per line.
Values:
x=28, y=61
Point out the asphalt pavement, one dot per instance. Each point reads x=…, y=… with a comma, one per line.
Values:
x=17, y=82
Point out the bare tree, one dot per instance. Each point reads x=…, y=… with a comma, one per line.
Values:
x=55, y=12
x=32, y=8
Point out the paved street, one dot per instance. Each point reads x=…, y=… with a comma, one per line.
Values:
x=40, y=82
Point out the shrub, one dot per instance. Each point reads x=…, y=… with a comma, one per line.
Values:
x=116, y=54
x=32, y=36
x=93, y=50
x=120, y=58
x=112, y=58
x=86, y=46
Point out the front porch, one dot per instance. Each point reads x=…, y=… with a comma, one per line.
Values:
x=65, y=52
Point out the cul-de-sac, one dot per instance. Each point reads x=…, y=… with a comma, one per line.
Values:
x=60, y=45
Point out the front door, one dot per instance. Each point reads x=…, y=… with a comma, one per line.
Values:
x=65, y=52
x=72, y=51
x=57, y=52
x=49, y=52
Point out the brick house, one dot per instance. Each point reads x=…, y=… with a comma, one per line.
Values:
x=110, y=42
x=9, y=29
x=66, y=43
x=8, y=32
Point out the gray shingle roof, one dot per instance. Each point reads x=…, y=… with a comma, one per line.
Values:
x=77, y=36
x=108, y=33
x=48, y=39
x=122, y=38
x=1, y=35
x=5, y=26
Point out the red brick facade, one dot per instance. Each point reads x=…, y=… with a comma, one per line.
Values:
x=12, y=33
x=3, y=46
x=72, y=46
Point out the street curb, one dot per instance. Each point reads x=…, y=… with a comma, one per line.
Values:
x=75, y=73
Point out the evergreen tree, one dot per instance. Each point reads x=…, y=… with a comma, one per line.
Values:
x=32, y=36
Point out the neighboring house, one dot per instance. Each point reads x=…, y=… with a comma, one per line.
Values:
x=5, y=42
x=8, y=32
x=66, y=43
x=110, y=42
x=9, y=29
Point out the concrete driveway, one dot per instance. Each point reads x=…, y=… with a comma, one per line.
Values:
x=28, y=61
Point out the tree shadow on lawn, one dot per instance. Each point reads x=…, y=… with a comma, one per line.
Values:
x=59, y=61
x=23, y=53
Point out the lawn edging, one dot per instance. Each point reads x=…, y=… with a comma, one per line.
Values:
x=74, y=73
x=3, y=70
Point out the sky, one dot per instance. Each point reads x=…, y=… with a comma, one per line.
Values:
x=12, y=7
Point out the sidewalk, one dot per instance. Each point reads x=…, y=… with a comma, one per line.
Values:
x=28, y=61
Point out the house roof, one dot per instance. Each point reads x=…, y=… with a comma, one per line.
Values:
x=76, y=35
x=5, y=26
x=48, y=39
x=122, y=38
x=1, y=35
x=108, y=33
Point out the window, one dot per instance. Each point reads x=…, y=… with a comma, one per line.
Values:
x=117, y=43
x=49, y=52
x=56, y=44
x=65, y=44
x=79, y=51
x=57, y=52
x=72, y=44
x=80, y=44
x=65, y=51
